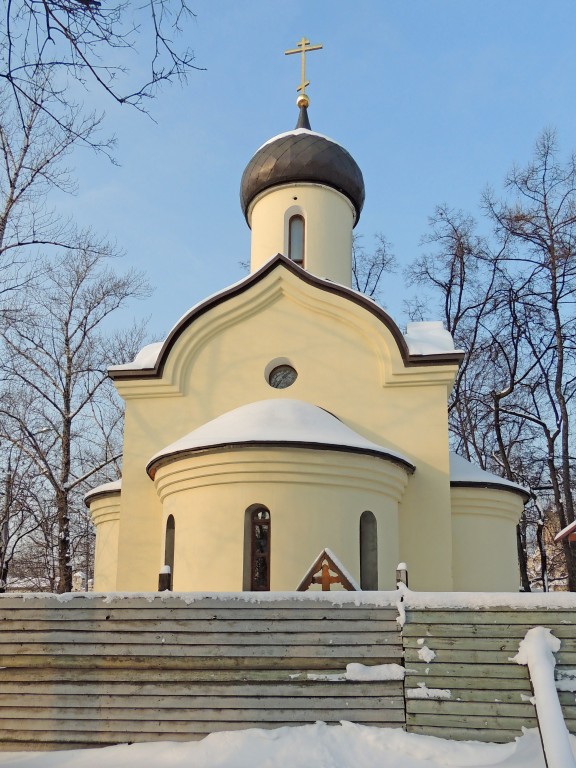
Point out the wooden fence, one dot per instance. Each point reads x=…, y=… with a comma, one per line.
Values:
x=96, y=670
x=91, y=672
x=461, y=681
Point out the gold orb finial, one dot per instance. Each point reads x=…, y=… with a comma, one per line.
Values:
x=303, y=48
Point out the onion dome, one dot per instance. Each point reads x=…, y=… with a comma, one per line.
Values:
x=302, y=155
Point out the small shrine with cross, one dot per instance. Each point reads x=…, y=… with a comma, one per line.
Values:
x=289, y=415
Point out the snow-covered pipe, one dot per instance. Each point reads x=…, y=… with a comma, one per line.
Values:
x=536, y=652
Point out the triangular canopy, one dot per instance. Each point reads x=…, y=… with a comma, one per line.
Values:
x=327, y=570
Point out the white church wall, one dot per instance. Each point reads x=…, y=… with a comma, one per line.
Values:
x=315, y=499
x=347, y=362
x=105, y=512
x=329, y=219
x=484, y=539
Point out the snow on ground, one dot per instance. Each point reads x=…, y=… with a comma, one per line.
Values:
x=342, y=746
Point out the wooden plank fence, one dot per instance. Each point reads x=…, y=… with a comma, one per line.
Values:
x=96, y=670
x=461, y=659
x=90, y=672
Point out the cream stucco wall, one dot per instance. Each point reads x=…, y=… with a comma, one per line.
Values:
x=484, y=539
x=329, y=219
x=348, y=363
x=105, y=513
x=315, y=499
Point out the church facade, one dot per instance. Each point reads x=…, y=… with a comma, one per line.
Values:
x=288, y=416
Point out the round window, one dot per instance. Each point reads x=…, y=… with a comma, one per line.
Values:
x=282, y=376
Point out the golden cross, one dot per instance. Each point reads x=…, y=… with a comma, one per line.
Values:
x=303, y=46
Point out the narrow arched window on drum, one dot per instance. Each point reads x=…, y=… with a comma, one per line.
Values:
x=296, y=239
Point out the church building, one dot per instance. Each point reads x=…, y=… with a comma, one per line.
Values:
x=287, y=419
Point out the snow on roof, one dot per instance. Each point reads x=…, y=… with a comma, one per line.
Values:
x=146, y=358
x=343, y=570
x=337, y=562
x=148, y=355
x=278, y=421
x=429, y=338
x=463, y=472
x=566, y=532
x=297, y=132
x=423, y=338
x=114, y=487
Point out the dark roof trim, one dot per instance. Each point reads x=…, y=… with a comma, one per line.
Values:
x=90, y=497
x=445, y=358
x=494, y=486
x=169, y=458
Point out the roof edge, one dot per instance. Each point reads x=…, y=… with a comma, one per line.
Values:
x=495, y=485
x=91, y=496
x=276, y=262
x=169, y=458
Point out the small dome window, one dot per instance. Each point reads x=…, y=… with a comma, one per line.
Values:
x=296, y=239
x=282, y=376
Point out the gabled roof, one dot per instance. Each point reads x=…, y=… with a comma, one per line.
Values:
x=137, y=371
x=279, y=423
x=321, y=571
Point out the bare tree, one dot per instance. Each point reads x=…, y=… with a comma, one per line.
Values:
x=510, y=304
x=370, y=266
x=92, y=42
x=540, y=267
x=20, y=510
x=57, y=406
x=32, y=156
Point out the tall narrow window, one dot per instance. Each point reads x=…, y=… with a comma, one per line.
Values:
x=257, y=549
x=169, y=545
x=368, y=551
x=296, y=239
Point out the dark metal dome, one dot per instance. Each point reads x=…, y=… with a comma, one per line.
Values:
x=302, y=156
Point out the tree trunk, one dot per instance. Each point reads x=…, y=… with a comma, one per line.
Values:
x=522, y=557
x=64, y=564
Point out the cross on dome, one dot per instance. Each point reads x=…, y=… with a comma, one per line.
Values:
x=303, y=47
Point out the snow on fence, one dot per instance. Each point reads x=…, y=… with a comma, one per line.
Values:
x=537, y=653
x=461, y=678
x=92, y=670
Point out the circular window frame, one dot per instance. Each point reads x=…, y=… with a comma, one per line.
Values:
x=273, y=365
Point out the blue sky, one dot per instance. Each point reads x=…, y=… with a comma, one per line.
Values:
x=435, y=99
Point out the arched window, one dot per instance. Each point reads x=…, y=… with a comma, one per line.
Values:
x=169, y=545
x=257, y=549
x=296, y=239
x=368, y=551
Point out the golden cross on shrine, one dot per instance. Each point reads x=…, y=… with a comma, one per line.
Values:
x=303, y=46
